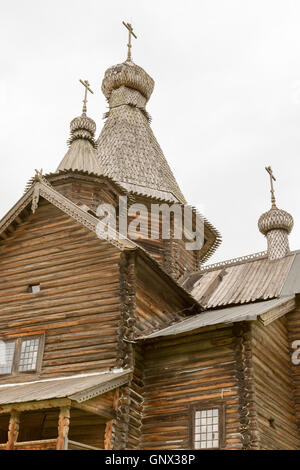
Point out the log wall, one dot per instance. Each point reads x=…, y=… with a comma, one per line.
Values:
x=182, y=371
x=274, y=397
x=78, y=307
x=294, y=335
x=158, y=305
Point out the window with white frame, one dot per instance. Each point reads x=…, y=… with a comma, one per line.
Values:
x=21, y=355
x=207, y=428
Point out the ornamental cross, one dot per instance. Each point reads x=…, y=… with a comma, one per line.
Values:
x=86, y=84
x=272, y=178
x=130, y=32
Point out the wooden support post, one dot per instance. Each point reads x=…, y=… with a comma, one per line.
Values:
x=13, y=430
x=63, y=428
x=108, y=435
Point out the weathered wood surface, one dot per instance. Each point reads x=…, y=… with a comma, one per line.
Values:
x=63, y=428
x=13, y=430
x=273, y=381
x=157, y=303
x=78, y=305
x=186, y=370
x=294, y=335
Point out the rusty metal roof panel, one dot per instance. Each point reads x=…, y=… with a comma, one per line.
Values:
x=258, y=279
x=247, y=312
x=78, y=388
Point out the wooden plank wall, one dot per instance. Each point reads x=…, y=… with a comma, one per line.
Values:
x=181, y=371
x=157, y=304
x=294, y=335
x=272, y=374
x=169, y=253
x=82, y=189
x=78, y=306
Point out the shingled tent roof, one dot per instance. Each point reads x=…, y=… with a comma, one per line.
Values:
x=127, y=149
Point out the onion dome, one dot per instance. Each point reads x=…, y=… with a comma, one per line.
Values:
x=83, y=127
x=276, y=225
x=127, y=149
x=275, y=219
x=129, y=75
x=81, y=155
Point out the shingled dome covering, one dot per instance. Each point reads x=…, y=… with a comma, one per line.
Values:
x=127, y=150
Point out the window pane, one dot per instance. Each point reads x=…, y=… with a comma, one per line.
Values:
x=206, y=429
x=28, y=355
x=7, y=350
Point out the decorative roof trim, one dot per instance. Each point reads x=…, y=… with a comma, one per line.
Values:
x=16, y=209
x=68, y=207
x=234, y=261
x=97, y=390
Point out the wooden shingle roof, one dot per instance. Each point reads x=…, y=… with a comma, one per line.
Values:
x=127, y=149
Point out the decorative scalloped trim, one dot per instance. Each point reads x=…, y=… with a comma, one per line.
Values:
x=233, y=261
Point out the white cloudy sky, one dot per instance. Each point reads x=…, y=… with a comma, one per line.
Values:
x=225, y=104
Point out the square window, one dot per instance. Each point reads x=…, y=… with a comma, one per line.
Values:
x=34, y=288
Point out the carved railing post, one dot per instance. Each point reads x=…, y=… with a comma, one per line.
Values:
x=63, y=428
x=13, y=430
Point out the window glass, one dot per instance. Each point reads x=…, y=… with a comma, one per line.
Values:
x=7, y=351
x=206, y=429
x=28, y=354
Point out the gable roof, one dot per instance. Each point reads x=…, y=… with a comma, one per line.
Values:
x=245, y=280
x=40, y=189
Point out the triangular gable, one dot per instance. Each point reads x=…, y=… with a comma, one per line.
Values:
x=40, y=189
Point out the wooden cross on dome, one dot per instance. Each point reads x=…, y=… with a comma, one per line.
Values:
x=86, y=84
x=272, y=178
x=130, y=32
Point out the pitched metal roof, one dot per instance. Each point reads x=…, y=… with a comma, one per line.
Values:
x=78, y=388
x=238, y=313
x=242, y=282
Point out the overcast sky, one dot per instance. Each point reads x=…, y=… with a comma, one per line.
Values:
x=226, y=100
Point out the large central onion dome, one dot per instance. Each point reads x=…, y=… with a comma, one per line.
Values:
x=127, y=149
x=129, y=75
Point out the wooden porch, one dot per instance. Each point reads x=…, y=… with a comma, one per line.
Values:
x=58, y=424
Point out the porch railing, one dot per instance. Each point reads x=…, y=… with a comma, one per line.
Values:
x=48, y=444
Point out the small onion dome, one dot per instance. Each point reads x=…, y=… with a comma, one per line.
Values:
x=83, y=127
x=275, y=219
x=129, y=75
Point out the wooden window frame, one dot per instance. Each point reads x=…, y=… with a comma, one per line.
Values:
x=17, y=353
x=202, y=406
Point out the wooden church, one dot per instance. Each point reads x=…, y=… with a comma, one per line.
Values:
x=114, y=343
